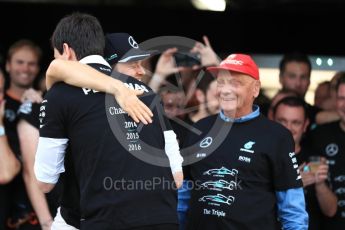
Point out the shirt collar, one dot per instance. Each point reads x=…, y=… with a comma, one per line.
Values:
x=94, y=59
x=252, y=115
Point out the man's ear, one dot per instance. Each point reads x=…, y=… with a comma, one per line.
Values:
x=256, y=89
x=65, y=49
x=200, y=96
x=69, y=53
x=306, y=123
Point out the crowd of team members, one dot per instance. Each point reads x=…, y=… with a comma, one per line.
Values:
x=252, y=173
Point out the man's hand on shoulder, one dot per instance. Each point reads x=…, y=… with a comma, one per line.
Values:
x=129, y=101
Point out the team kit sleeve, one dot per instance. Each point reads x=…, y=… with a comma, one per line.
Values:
x=49, y=160
x=288, y=185
x=28, y=111
x=285, y=166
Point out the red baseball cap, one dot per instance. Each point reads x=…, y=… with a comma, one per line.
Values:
x=241, y=63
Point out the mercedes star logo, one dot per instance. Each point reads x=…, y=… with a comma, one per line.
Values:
x=332, y=149
x=207, y=141
x=132, y=42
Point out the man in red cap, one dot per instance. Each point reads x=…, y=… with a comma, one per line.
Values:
x=247, y=174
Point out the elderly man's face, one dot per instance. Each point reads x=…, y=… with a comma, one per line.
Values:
x=236, y=93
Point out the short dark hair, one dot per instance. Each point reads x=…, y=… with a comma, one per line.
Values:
x=292, y=101
x=24, y=43
x=294, y=57
x=326, y=83
x=285, y=91
x=340, y=81
x=82, y=32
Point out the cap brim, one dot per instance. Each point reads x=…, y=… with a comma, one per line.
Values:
x=214, y=70
x=137, y=55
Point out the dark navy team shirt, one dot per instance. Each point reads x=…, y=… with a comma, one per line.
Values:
x=241, y=167
x=112, y=156
x=10, y=123
x=14, y=200
x=328, y=140
x=312, y=203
